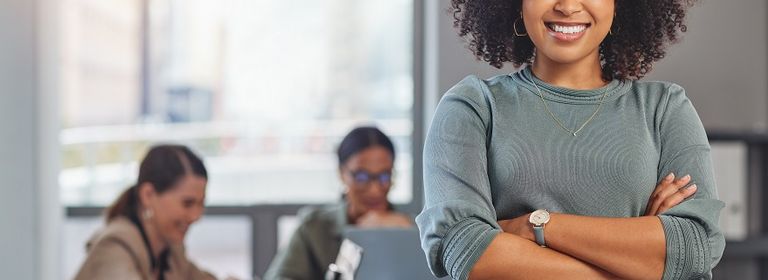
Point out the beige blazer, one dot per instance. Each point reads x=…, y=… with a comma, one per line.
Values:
x=118, y=252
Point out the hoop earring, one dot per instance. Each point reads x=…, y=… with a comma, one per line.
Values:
x=514, y=27
x=610, y=31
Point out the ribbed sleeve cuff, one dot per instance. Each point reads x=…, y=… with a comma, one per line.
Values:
x=688, y=253
x=467, y=240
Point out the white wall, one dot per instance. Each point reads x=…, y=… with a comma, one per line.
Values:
x=722, y=64
x=29, y=212
x=451, y=59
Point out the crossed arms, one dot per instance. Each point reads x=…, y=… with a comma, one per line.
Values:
x=581, y=247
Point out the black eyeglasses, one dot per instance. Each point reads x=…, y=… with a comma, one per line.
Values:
x=363, y=178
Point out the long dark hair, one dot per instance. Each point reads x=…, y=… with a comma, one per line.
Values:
x=360, y=139
x=163, y=166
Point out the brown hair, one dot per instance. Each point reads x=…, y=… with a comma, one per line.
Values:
x=163, y=166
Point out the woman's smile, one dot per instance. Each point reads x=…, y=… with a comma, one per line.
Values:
x=567, y=32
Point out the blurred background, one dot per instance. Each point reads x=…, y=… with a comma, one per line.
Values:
x=264, y=90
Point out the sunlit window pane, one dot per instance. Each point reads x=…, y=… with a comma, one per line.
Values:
x=264, y=90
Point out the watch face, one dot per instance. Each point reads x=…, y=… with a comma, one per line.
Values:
x=539, y=217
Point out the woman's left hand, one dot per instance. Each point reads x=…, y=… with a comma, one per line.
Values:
x=669, y=193
x=518, y=226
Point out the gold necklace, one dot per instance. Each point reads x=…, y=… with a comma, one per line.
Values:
x=558, y=120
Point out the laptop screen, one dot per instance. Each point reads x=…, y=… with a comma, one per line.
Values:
x=390, y=253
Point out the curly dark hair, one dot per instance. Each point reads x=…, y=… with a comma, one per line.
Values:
x=642, y=30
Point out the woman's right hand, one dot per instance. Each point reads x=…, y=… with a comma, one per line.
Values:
x=669, y=193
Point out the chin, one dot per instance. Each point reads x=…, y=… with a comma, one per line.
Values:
x=176, y=239
x=566, y=56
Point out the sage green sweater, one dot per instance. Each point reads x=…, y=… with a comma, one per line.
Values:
x=493, y=152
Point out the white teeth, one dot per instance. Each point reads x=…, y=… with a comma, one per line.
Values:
x=568, y=29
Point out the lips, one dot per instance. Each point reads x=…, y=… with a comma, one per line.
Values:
x=567, y=31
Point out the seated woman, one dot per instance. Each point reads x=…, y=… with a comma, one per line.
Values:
x=146, y=225
x=366, y=158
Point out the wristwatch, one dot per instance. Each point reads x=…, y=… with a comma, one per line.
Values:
x=538, y=219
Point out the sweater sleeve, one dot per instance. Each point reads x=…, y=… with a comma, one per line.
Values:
x=693, y=238
x=458, y=220
x=295, y=260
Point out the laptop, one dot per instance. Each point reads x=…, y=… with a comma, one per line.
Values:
x=390, y=254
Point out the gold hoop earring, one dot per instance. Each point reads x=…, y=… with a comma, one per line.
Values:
x=514, y=27
x=610, y=31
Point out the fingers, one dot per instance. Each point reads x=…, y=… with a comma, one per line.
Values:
x=369, y=219
x=676, y=198
x=377, y=219
x=666, y=188
x=657, y=194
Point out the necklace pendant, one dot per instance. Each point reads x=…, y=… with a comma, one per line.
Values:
x=559, y=123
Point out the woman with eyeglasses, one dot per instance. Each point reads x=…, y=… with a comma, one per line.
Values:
x=366, y=160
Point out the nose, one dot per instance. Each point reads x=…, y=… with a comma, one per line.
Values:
x=377, y=188
x=568, y=7
x=196, y=213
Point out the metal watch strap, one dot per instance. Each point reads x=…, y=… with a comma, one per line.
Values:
x=538, y=231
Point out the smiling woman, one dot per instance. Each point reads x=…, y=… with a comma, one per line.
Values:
x=572, y=145
x=639, y=31
x=146, y=226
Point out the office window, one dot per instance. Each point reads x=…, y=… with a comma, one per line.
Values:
x=263, y=90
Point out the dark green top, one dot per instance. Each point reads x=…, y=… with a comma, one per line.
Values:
x=313, y=246
x=493, y=152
